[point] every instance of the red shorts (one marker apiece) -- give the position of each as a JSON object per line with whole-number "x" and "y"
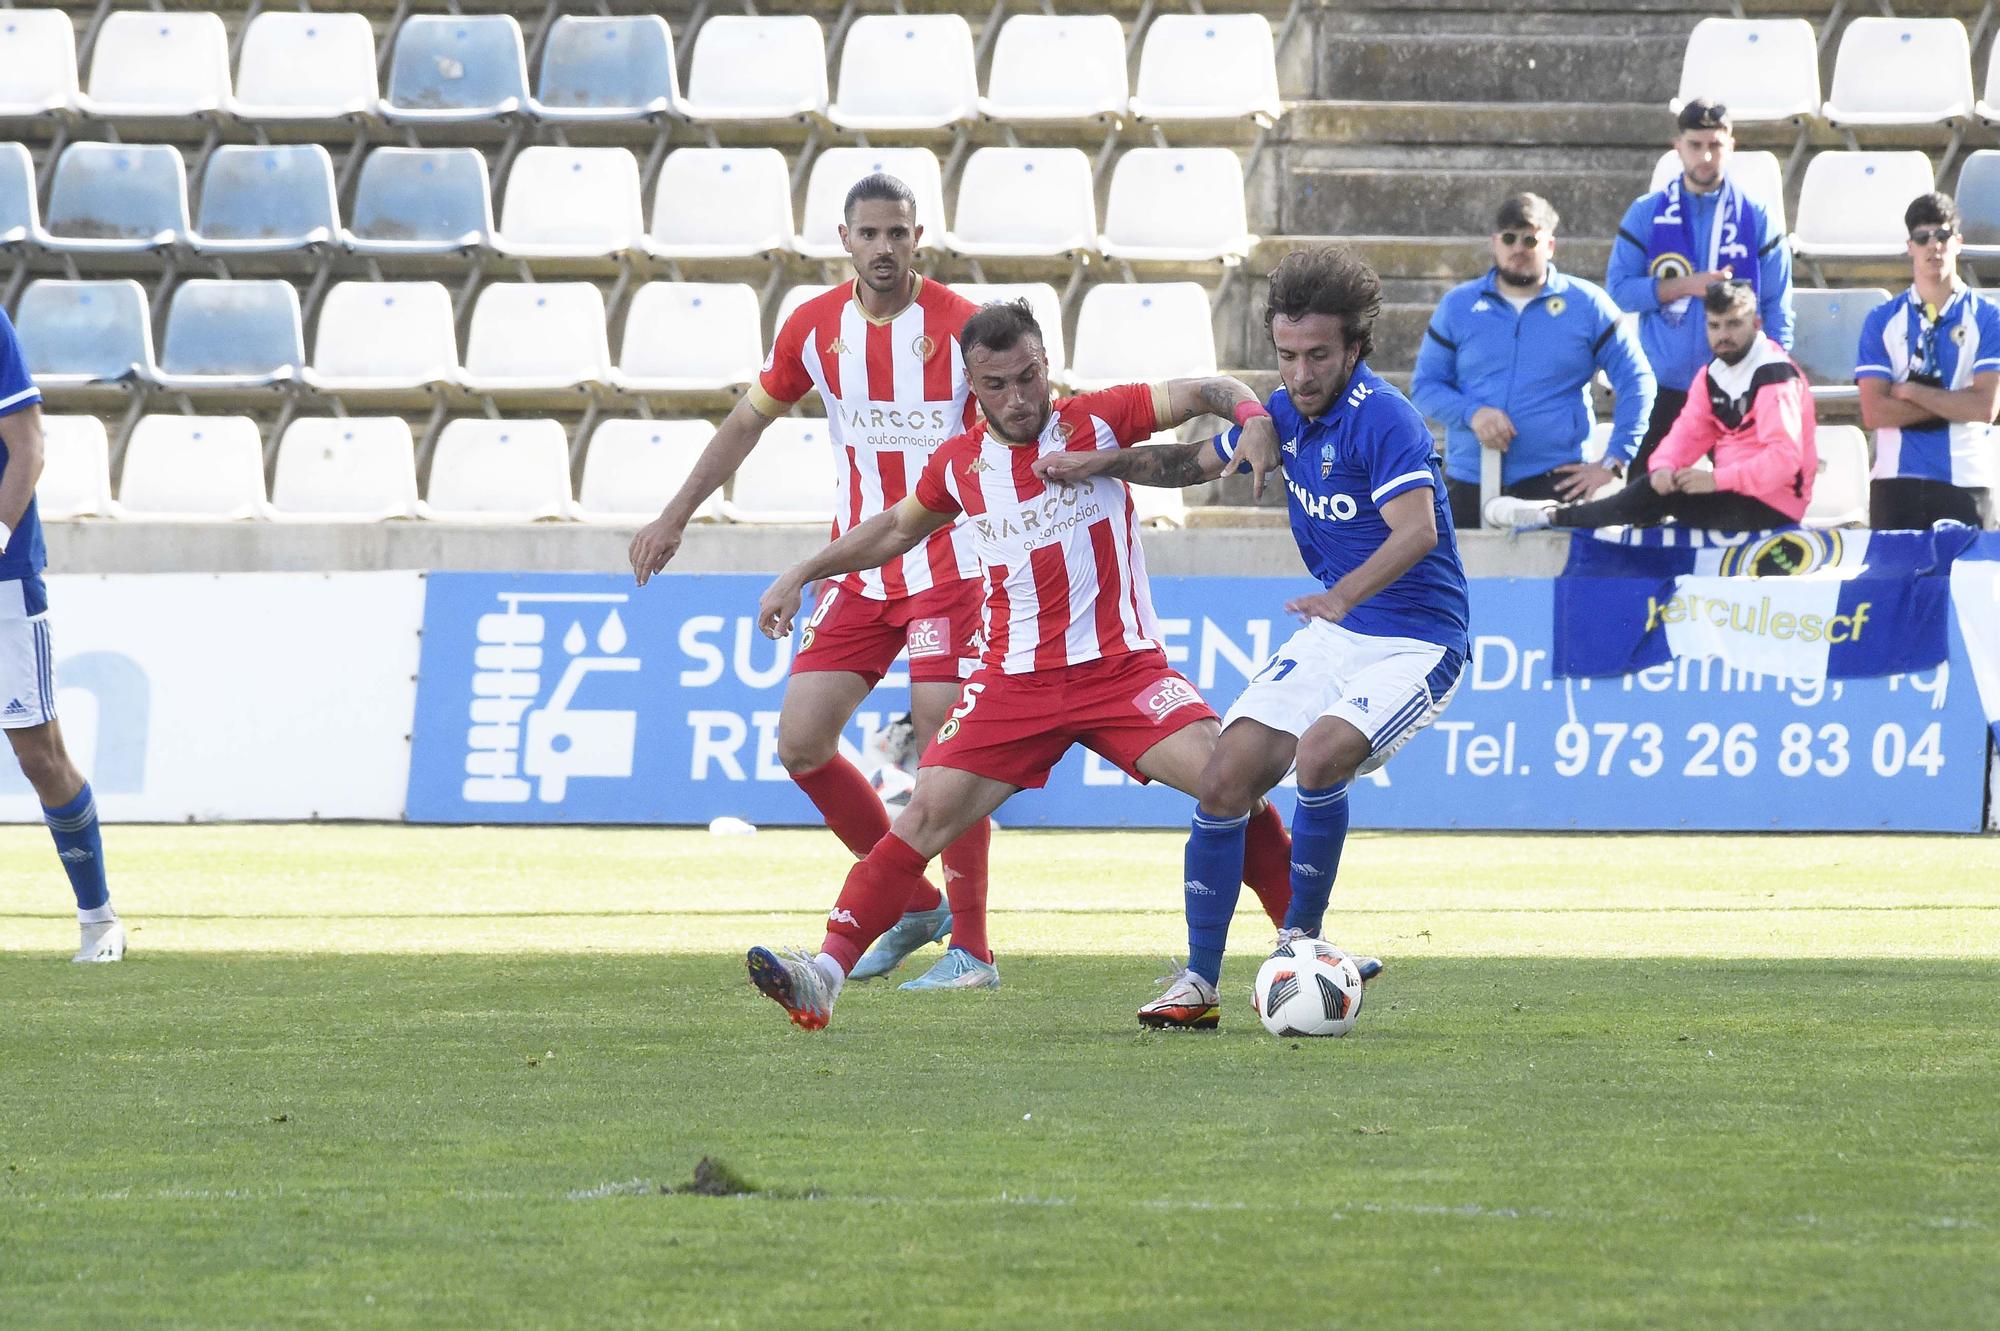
{"x": 1015, "y": 728}
{"x": 851, "y": 632}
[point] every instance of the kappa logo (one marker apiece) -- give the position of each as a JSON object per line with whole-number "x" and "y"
{"x": 929, "y": 637}
{"x": 978, "y": 465}
{"x": 1166, "y": 697}
{"x": 1481, "y": 306}
{"x": 1194, "y": 887}
{"x": 837, "y": 347}
{"x": 841, "y": 915}
{"x": 77, "y": 855}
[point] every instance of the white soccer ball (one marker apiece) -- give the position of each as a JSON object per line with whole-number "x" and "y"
{"x": 1307, "y": 988}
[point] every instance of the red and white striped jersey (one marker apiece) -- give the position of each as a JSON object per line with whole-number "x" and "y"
{"x": 894, "y": 390}
{"x": 1065, "y": 576}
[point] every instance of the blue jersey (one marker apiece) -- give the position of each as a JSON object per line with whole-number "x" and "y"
{"x": 25, "y": 554}
{"x": 1904, "y": 339}
{"x": 1340, "y": 469}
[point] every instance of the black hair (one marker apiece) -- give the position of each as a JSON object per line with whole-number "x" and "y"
{"x": 880, "y": 185}
{"x": 1331, "y": 280}
{"x": 1526, "y": 212}
{"x": 999, "y": 326}
{"x": 1933, "y": 209}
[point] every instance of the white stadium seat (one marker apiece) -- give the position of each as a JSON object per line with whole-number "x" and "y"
{"x": 76, "y": 469}
{"x": 1840, "y": 491}
{"x": 684, "y": 336}
{"x": 1826, "y": 336}
{"x": 571, "y": 203}
{"x": 384, "y": 338}
{"x": 904, "y": 72}
{"x": 1852, "y": 203}
{"x": 194, "y": 468}
{"x": 346, "y": 468}
{"x": 146, "y": 64}
{"x": 37, "y": 63}
{"x": 788, "y": 477}
{"x": 1177, "y": 204}
{"x": 634, "y": 467}
{"x": 1048, "y": 313}
{"x": 1762, "y": 69}
{"x": 834, "y": 173}
{"x": 528, "y": 336}
{"x": 306, "y": 68}
{"x": 1901, "y": 71}
{"x": 1025, "y": 202}
{"x": 721, "y": 203}
{"x": 20, "y": 206}
{"x": 499, "y": 471}
{"x": 1987, "y": 108}
{"x": 1208, "y": 67}
{"x": 1757, "y": 173}
{"x": 1142, "y": 332}
{"x": 1068, "y": 67}
{"x": 747, "y": 68}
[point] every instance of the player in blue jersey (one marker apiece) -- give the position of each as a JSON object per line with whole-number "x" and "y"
{"x": 27, "y": 664}
{"x": 1383, "y": 643}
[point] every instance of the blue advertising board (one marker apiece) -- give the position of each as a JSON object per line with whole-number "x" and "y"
{"x": 581, "y": 699}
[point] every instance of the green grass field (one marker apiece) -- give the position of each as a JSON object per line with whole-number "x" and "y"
{"x": 452, "y": 1078}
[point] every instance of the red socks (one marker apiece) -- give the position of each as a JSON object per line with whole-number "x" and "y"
{"x": 965, "y": 887}
{"x": 854, "y": 813}
{"x": 1267, "y": 862}
{"x": 873, "y": 899}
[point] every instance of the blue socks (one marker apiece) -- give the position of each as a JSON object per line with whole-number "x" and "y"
{"x": 1214, "y": 879}
{"x": 1319, "y": 830}
{"x": 74, "y": 826}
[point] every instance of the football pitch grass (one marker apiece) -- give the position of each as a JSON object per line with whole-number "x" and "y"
{"x": 362, "y": 1076}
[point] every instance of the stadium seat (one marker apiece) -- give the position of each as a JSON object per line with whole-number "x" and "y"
{"x": 682, "y": 336}
{"x": 747, "y": 68}
{"x": 1851, "y": 203}
{"x": 537, "y": 337}
{"x": 634, "y": 467}
{"x": 571, "y": 203}
{"x": 20, "y": 211}
{"x": 37, "y": 63}
{"x": 266, "y": 199}
{"x": 1048, "y": 313}
{"x": 1762, "y": 69}
{"x": 110, "y": 198}
{"x": 1840, "y": 491}
{"x": 146, "y": 64}
{"x": 457, "y": 69}
{"x": 1987, "y": 108}
{"x": 76, "y": 469}
{"x": 795, "y": 297}
{"x": 193, "y": 468}
{"x": 1177, "y": 205}
{"x": 225, "y": 335}
{"x": 77, "y": 334}
{"x": 422, "y": 201}
{"x": 1159, "y": 505}
{"x": 1758, "y": 174}
{"x": 1025, "y": 202}
{"x": 352, "y": 468}
{"x": 1208, "y": 67}
{"x": 788, "y": 477}
{"x": 1060, "y": 68}
{"x": 305, "y": 69}
{"x": 384, "y": 339}
{"x": 1977, "y": 195}
{"x": 905, "y": 72}
{"x": 1826, "y": 336}
{"x": 499, "y": 471}
{"x": 1142, "y": 332}
{"x": 721, "y": 203}
{"x": 1901, "y": 71}
{"x": 597, "y": 70}
{"x": 834, "y": 173}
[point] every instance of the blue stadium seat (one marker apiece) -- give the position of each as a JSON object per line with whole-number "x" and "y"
{"x": 20, "y": 212}
{"x": 232, "y": 335}
{"x": 607, "y": 69}
{"x": 1977, "y": 195}
{"x": 456, "y": 70}
{"x": 422, "y": 201}
{"x": 111, "y": 198}
{"x": 267, "y": 199}
{"x": 1826, "y": 336}
{"x": 83, "y": 333}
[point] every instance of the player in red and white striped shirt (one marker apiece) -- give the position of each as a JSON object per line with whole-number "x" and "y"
{"x": 882, "y": 352}
{"x": 1073, "y": 653}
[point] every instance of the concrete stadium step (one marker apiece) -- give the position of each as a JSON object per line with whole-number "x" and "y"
{"x": 1526, "y": 124}
{"x": 1500, "y": 56}
{"x": 1442, "y": 201}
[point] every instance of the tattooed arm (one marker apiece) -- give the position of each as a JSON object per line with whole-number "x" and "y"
{"x": 1176, "y": 465}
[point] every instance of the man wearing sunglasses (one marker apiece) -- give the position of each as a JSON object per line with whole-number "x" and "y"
{"x": 1507, "y": 364}
{"x": 1675, "y": 243}
{"x": 1928, "y": 370}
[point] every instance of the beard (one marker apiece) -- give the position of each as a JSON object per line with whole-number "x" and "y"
{"x": 1034, "y": 432}
{"x": 1522, "y": 279}
{"x": 1735, "y": 356}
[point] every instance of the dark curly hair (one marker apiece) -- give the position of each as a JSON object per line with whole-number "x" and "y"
{"x": 1331, "y": 280}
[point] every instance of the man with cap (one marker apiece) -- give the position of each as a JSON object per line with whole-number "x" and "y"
{"x": 1675, "y": 243}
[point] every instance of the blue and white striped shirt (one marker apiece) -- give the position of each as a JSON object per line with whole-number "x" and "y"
{"x": 1898, "y": 340}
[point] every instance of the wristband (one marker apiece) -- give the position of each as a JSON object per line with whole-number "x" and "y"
{"x": 6, "y": 535}
{"x": 1246, "y": 412}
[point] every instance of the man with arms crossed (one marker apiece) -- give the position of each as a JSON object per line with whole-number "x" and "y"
{"x": 1383, "y": 644}
{"x": 883, "y": 353}
{"x": 1073, "y": 652}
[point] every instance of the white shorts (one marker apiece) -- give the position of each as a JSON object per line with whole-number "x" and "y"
{"x": 1386, "y": 688}
{"x": 27, "y": 663}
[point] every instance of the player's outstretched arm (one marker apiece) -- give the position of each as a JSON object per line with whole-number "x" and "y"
{"x": 659, "y": 540}
{"x": 869, "y": 544}
{"x": 1231, "y": 399}
{"x": 1168, "y": 465}
{"x": 1412, "y": 534}
{"x": 21, "y": 432}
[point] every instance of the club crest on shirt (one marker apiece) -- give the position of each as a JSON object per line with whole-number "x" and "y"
{"x": 837, "y": 347}
{"x": 1557, "y": 305}
{"x": 1326, "y": 459}
{"x": 924, "y": 347}
{"x": 1958, "y": 334}
{"x": 1064, "y": 430}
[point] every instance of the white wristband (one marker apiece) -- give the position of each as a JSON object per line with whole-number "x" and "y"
{"x": 6, "y": 535}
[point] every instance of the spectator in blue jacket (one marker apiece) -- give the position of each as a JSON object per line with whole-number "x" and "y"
{"x": 1507, "y": 365}
{"x": 1675, "y": 243}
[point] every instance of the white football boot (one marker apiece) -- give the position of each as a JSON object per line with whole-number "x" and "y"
{"x": 102, "y": 941}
